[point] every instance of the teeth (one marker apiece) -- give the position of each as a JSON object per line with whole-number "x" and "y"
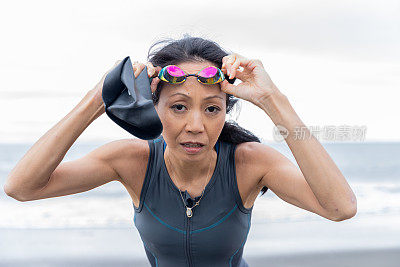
{"x": 191, "y": 145}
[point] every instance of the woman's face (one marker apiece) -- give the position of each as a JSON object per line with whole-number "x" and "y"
{"x": 191, "y": 111}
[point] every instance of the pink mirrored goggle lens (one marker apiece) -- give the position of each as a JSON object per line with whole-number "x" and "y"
{"x": 175, "y": 71}
{"x": 208, "y": 72}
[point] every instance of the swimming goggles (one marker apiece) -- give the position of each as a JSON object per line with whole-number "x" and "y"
{"x": 175, "y": 75}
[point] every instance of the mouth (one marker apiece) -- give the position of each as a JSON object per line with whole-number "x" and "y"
{"x": 190, "y": 144}
{"x": 192, "y": 148}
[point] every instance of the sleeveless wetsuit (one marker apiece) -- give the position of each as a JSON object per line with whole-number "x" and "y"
{"x": 216, "y": 233}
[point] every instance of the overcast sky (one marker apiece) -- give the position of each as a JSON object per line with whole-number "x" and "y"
{"x": 337, "y": 61}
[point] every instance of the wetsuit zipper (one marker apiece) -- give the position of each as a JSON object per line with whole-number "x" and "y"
{"x": 188, "y": 241}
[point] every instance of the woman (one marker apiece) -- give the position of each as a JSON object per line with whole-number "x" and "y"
{"x": 194, "y": 187}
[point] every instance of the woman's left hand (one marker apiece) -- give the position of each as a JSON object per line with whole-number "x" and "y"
{"x": 256, "y": 85}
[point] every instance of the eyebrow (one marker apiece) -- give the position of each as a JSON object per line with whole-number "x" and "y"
{"x": 208, "y": 97}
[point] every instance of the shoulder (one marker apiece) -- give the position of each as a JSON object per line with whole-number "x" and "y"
{"x": 131, "y": 164}
{"x": 256, "y": 158}
{"x": 128, "y": 148}
{"x": 246, "y": 152}
{"x": 250, "y": 167}
{"x": 128, "y": 156}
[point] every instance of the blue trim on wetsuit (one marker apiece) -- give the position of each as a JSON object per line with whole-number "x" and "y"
{"x": 193, "y": 231}
{"x": 215, "y": 224}
{"x": 164, "y": 223}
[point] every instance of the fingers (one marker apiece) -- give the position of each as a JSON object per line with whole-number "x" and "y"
{"x": 232, "y": 62}
{"x": 151, "y": 70}
{"x": 156, "y": 80}
{"x": 228, "y": 64}
{"x": 228, "y": 88}
{"x": 234, "y": 67}
{"x": 154, "y": 83}
{"x": 137, "y": 68}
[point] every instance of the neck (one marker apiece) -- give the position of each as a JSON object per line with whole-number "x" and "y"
{"x": 189, "y": 172}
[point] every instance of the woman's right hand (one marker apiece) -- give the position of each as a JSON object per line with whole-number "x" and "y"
{"x": 137, "y": 68}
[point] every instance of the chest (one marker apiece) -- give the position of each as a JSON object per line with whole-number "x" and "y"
{"x": 247, "y": 179}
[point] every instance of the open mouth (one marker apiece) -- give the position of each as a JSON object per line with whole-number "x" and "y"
{"x": 192, "y": 144}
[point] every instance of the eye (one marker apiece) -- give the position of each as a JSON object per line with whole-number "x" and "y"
{"x": 214, "y": 109}
{"x": 177, "y": 107}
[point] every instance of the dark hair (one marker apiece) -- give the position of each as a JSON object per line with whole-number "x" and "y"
{"x": 195, "y": 49}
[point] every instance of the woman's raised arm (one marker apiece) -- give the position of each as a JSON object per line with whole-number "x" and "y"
{"x": 34, "y": 170}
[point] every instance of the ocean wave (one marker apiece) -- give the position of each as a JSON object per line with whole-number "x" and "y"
{"x": 116, "y": 210}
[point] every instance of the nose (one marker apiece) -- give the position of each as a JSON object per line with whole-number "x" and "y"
{"x": 194, "y": 122}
